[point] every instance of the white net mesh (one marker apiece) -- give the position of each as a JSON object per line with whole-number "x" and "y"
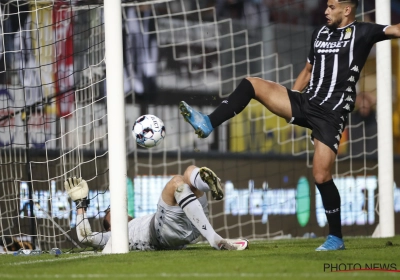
{"x": 54, "y": 118}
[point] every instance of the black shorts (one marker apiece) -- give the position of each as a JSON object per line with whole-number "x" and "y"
{"x": 327, "y": 125}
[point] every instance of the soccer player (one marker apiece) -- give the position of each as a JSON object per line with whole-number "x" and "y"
{"x": 321, "y": 98}
{"x": 181, "y": 216}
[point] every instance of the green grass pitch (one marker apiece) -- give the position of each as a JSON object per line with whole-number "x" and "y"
{"x": 279, "y": 259}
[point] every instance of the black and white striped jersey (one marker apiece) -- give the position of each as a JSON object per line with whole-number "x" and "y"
{"x": 337, "y": 56}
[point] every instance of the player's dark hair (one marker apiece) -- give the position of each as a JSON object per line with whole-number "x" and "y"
{"x": 354, "y": 2}
{"x": 106, "y": 223}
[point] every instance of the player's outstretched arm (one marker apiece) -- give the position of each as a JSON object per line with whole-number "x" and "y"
{"x": 393, "y": 31}
{"x": 85, "y": 234}
{"x": 78, "y": 191}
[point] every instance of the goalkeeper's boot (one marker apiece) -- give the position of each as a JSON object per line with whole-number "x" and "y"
{"x": 233, "y": 244}
{"x": 209, "y": 177}
{"x": 332, "y": 243}
{"x": 200, "y": 122}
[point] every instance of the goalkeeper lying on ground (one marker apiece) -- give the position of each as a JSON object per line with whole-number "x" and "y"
{"x": 182, "y": 200}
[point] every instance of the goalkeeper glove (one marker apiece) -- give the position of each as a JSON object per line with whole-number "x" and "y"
{"x": 78, "y": 191}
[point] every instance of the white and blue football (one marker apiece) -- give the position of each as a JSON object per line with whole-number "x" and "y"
{"x": 148, "y": 131}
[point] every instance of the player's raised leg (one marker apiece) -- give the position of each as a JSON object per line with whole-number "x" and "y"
{"x": 200, "y": 122}
{"x": 204, "y": 179}
{"x": 272, "y": 95}
{"x": 213, "y": 182}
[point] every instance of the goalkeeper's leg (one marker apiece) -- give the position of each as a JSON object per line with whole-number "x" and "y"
{"x": 177, "y": 192}
{"x": 205, "y": 180}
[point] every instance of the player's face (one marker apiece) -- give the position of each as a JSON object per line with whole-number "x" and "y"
{"x": 107, "y": 217}
{"x": 334, "y": 14}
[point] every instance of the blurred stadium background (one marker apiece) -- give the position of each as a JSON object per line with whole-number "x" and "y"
{"x": 53, "y": 116}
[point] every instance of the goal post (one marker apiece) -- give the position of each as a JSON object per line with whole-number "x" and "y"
{"x": 385, "y": 126}
{"x": 116, "y": 131}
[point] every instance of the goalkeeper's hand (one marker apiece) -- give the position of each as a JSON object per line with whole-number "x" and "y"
{"x": 78, "y": 191}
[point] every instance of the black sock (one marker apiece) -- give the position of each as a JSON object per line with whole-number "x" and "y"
{"x": 235, "y": 103}
{"x": 331, "y": 201}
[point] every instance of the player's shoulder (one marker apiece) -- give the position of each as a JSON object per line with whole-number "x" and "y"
{"x": 364, "y": 24}
{"x": 371, "y": 30}
{"x": 367, "y": 26}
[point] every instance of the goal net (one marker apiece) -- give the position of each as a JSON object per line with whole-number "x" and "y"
{"x": 204, "y": 52}
{"x": 53, "y": 121}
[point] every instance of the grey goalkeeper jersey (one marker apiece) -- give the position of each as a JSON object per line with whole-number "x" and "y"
{"x": 168, "y": 228}
{"x": 139, "y": 234}
{"x": 338, "y": 57}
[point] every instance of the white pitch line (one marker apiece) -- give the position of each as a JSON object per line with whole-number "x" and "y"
{"x": 52, "y": 260}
